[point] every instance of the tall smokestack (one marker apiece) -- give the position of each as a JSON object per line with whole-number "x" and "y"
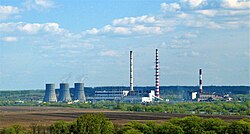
{"x": 157, "y": 75}
{"x": 131, "y": 72}
{"x": 200, "y": 82}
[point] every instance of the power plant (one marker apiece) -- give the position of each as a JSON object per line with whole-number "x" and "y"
{"x": 133, "y": 95}
{"x": 50, "y": 93}
{"x": 64, "y": 94}
{"x": 121, "y": 95}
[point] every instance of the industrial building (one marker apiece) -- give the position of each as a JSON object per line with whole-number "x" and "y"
{"x": 64, "y": 94}
{"x": 132, "y": 96}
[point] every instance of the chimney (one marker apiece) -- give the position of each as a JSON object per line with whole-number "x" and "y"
{"x": 157, "y": 75}
{"x": 131, "y": 72}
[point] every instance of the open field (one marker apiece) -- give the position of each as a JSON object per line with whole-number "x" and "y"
{"x": 26, "y": 116}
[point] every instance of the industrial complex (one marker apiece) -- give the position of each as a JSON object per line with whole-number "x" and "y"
{"x": 77, "y": 94}
{"x": 115, "y": 95}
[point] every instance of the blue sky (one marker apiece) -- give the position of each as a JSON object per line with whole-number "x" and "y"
{"x": 46, "y": 41}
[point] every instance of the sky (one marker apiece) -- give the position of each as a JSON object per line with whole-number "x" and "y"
{"x": 53, "y": 41}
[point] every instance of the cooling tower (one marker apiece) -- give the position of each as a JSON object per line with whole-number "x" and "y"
{"x": 64, "y": 94}
{"x": 50, "y": 93}
{"x": 79, "y": 92}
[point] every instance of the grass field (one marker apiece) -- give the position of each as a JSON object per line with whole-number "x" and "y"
{"x": 26, "y": 116}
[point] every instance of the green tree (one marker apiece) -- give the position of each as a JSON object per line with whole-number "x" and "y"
{"x": 214, "y": 125}
{"x": 132, "y": 131}
{"x": 169, "y": 128}
{"x": 190, "y": 124}
{"x": 93, "y": 124}
{"x": 239, "y": 127}
{"x": 60, "y": 127}
{"x": 15, "y": 129}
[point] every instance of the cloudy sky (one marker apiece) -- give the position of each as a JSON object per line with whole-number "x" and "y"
{"x": 45, "y": 41}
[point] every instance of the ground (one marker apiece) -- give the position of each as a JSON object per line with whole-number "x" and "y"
{"x": 26, "y": 116}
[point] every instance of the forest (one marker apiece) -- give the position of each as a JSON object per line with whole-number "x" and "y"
{"x": 96, "y": 123}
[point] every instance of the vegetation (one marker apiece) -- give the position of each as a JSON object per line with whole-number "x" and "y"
{"x": 216, "y": 107}
{"x": 98, "y": 124}
{"x": 240, "y": 105}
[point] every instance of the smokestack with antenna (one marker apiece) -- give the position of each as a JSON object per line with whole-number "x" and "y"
{"x": 200, "y": 82}
{"x": 131, "y": 72}
{"x": 157, "y": 75}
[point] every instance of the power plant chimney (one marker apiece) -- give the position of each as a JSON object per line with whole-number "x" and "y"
{"x": 64, "y": 94}
{"x": 200, "y": 82}
{"x": 131, "y": 72}
{"x": 157, "y": 75}
{"x": 50, "y": 93}
{"x": 79, "y": 92}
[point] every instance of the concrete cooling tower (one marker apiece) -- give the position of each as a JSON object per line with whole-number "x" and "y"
{"x": 79, "y": 92}
{"x": 64, "y": 94}
{"x": 50, "y": 93}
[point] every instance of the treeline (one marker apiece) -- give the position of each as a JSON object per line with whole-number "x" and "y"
{"x": 98, "y": 124}
{"x": 216, "y": 107}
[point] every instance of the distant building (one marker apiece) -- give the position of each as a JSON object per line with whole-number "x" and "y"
{"x": 123, "y": 96}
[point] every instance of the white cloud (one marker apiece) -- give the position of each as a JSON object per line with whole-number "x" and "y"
{"x": 210, "y": 13}
{"x": 172, "y": 7}
{"x": 44, "y": 3}
{"x": 109, "y": 53}
{"x": 195, "y": 3}
{"x": 238, "y": 4}
{"x": 146, "y": 30}
{"x": 183, "y": 15}
{"x": 38, "y": 4}
{"x": 135, "y": 20}
{"x": 6, "y": 11}
{"x": 127, "y": 30}
{"x": 93, "y": 31}
{"x": 121, "y": 30}
{"x": 31, "y": 28}
{"x": 174, "y": 46}
{"x": 9, "y": 39}
{"x": 189, "y": 54}
{"x": 213, "y": 13}
{"x": 189, "y": 35}
{"x": 204, "y": 24}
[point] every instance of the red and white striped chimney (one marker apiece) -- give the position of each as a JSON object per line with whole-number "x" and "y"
{"x": 200, "y": 82}
{"x": 157, "y": 75}
{"x": 131, "y": 72}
